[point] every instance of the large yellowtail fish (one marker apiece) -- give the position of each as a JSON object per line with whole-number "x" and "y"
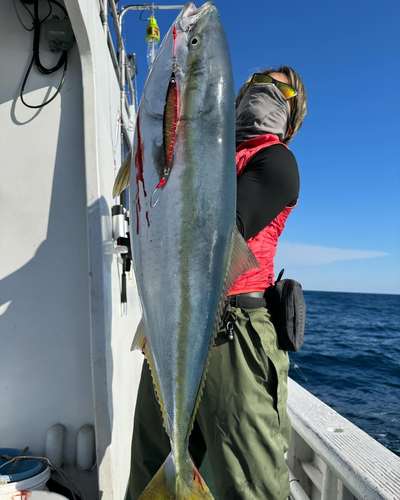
{"x": 187, "y": 251}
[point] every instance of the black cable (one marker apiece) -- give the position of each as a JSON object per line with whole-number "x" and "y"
{"x": 26, "y": 8}
{"x": 63, "y": 60}
{"x": 48, "y": 15}
{"x": 148, "y": 7}
{"x": 36, "y": 42}
{"x": 19, "y": 17}
{"x": 54, "y": 96}
{"x": 59, "y": 5}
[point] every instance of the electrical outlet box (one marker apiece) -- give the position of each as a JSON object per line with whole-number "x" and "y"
{"x": 58, "y": 32}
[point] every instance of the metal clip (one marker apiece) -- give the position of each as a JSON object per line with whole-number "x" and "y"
{"x": 229, "y": 322}
{"x": 229, "y": 330}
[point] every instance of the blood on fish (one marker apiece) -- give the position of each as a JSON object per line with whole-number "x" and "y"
{"x": 139, "y": 157}
{"x": 139, "y": 171}
{"x": 148, "y": 220}
{"x": 197, "y": 476}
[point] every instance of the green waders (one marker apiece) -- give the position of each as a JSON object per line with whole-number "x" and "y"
{"x": 241, "y": 422}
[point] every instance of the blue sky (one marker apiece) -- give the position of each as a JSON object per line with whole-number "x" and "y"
{"x": 344, "y": 235}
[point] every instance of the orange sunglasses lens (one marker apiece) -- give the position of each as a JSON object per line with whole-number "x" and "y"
{"x": 287, "y": 91}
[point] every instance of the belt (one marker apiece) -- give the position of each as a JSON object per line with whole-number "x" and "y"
{"x": 249, "y": 300}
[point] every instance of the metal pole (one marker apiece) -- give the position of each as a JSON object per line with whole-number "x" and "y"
{"x": 115, "y": 17}
{"x": 113, "y": 55}
{"x": 104, "y": 15}
{"x": 149, "y": 7}
{"x": 122, "y": 65}
{"x": 131, "y": 90}
{"x": 168, "y": 7}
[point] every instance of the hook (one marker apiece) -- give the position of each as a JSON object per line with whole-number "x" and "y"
{"x": 159, "y": 186}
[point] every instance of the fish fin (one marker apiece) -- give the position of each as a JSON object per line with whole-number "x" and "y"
{"x": 123, "y": 177}
{"x": 241, "y": 260}
{"x": 139, "y": 340}
{"x": 167, "y": 484}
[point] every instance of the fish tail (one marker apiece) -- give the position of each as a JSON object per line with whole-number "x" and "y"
{"x": 170, "y": 484}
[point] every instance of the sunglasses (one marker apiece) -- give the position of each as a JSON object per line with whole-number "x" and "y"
{"x": 287, "y": 91}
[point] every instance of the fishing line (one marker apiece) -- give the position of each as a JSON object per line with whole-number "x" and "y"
{"x": 115, "y": 145}
{"x": 44, "y": 460}
{"x": 304, "y": 377}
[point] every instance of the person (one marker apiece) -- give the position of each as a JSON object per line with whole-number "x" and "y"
{"x": 242, "y": 421}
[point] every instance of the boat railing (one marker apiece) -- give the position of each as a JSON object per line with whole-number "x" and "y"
{"x": 332, "y": 459}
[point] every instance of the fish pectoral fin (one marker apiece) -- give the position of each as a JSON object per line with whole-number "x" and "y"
{"x": 139, "y": 340}
{"x": 242, "y": 259}
{"x": 170, "y": 484}
{"x": 123, "y": 176}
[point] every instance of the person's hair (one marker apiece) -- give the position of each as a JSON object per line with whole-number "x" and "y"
{"x": 299, "y": 110}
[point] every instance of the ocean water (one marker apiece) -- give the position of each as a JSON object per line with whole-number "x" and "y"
{"x": 351, "y": 359}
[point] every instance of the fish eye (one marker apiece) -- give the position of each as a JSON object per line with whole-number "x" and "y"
{"x": 195, "y": 41}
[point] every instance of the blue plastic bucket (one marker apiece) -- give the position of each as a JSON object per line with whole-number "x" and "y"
{"x": 25, "y": 468}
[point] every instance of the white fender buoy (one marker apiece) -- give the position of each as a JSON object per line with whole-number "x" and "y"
{"x": 55, "y": 444}
{"x": 85, "y": 448}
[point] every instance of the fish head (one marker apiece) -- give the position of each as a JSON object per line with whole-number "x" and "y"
{"x": 196, "y": 51}
{"x": 187, "y": 106}
{"x": 203, "y": 65}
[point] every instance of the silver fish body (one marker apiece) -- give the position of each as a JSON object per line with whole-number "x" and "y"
{"x": 186, "y": 249}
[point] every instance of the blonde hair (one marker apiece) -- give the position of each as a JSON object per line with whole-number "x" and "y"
{"x": 299, "y": 102}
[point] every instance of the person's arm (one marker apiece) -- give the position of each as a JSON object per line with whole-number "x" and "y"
{"x": 269, "y": 183}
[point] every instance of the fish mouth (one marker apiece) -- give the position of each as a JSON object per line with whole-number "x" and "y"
{"x": 190, "y": 15}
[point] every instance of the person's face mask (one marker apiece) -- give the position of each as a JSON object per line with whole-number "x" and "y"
{"x": 262, "y": 110}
